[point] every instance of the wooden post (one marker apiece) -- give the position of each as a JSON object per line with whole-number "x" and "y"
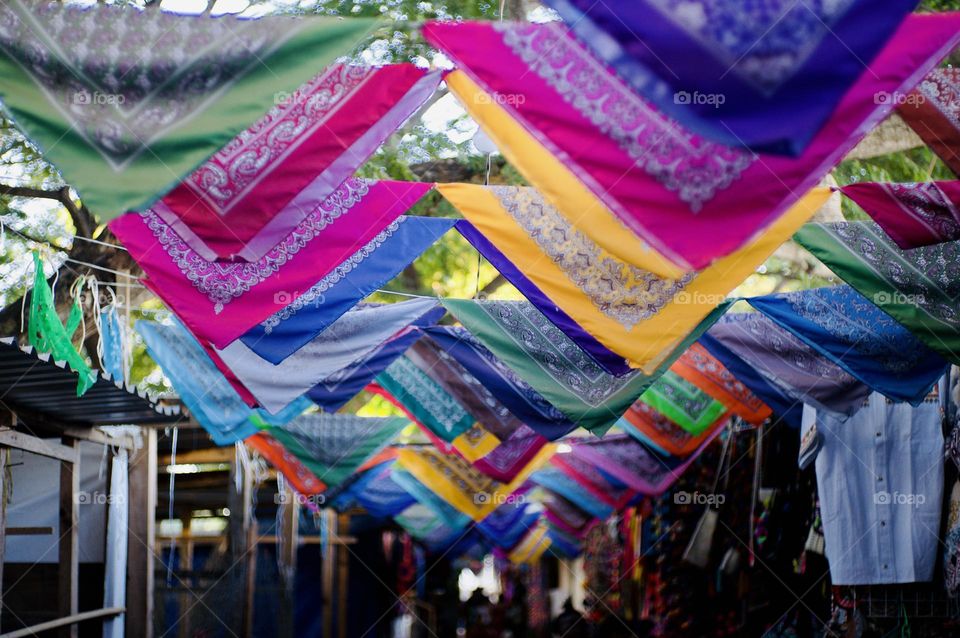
{"x": 69, "y": 543}
{"x": 288, "y": 537}
{"x": 141, "y": 538}
{"x": 327, "y": 570}
{"x": 343, "y": 527}
{"x": 4, "y": 461}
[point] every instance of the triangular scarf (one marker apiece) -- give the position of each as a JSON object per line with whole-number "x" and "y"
{"x": 703, "y": 370}
{"x": 913, "y": 214}
{"x": 599, "y": 484}
{"x": 254, "y": 191}
{"x": 540, "y": 353}
{"x": 844, "y": 326}
{"x": 512, "y": 455}
{"x": 312, "y": 311}
{"x": 294, "y": 471}
{"x": 532, "y": 547}
{"x": 738, "y": 73}
{"x": 379, "y": 494}
{"x": 353, "y": 336}
{"x": 919, "y": 288}
{"x": 556, "y": 480}
{"x": 334, "y": 446}
{"x": 517, "y": 395}
{"x": 933, "y": 111}
{"x": 205, "y": 392}
{"x": 684, "y": 403}
{"x": 595, "y": 149}
{"x": 789, "y": 363}
{"x": 631, "y": 311}
{"x": 125, "y": 120}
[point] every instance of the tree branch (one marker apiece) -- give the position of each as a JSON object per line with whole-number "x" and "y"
{"x": 81, "y": 217}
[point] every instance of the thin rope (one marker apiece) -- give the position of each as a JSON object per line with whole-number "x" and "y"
{"x": 100, "y": 243}
{"x": 95, "y": 266}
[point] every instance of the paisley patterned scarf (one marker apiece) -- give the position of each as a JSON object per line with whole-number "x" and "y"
{"x": 560, "y": 482}
{"x": 220, "y": 301}
{"x": 334, "y": 446}
{"x": 138, "y": 99}
{"x": 912, "y": 214}
{"x": 257, "y": 189}
{"x": 379, "y": 494}
{"x": 684, "y": 403}
{"x": 633, "y": 313}
{"x": 541, "y": 354}
{"x": 302, "y": 479}
{"x": 353, "y": 336}
{"x": 512, "y": 455}
{"x": 919, "y": 288}
{"x": 656, "y": 431}
{"x": 538, "y": 92}
{"x": 738, "y": 73}
{"x": 313, "y": 311}
{"x": 528, "y": 405}
{"x": 702, "y": 369}
{"x": 842, "y": 325}
{"x": 207, "y": 394}
{"x": 933, "y": 111}
{"x": 788, "y": 363}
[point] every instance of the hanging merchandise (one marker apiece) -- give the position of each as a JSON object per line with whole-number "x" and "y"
{"x": 684, "y": 403}
{"x": 112, "y": 343}
{"x": 528, "y": 405}
{"x": 292, "y": 468}
{"x": 461, "y": 485}
{"x": 47, "y": 334}
{"x": 426, "y": 401}
{"x": 379, "y": 494}
{"x": 789, "y": 363}
{"x": 334, "y": 391}
{"x": 783, "y": 406}
{"x": 524, "y": 339}
{"x": 738, "y": 73}
{"x": 559, "y": 481}
{"x": 256, "y": 190}
{"x": 220, "y": 301}
{"x": 125, "y": 123}
{"x": 636, "y": 466}
{"x": 659, "y": 433}
{"x": 309, "y": 313}
{"x": 447, "y": 513}
{"x": 842, "y": 325}
{"x": 931, "y": 110}
{"x": 532, "y": 547}
{"x": 913, "y": 214}
{"x": 539, "y": 93}
{"x": 421, "y": 523}
{"x": 506, "y": 525}
{"x": 595, "y": 295}
{"x": 334, "y": 446}
{"x": 512, "y": 455}
{"x": 563, "y": 514}
{"x": 703, "y": 370}
{"x": 916, "y": 287}
{"x": 457, "y": 381}
{"x": 205, "y": 392}
{"x": 595, "y": 480}
{"x": 880, "y": 481}
{"x": 351, "y": 337}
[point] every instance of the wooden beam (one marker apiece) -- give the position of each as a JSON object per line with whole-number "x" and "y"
{"x": 57, "y": 623}
{"x": 197, "y": 457}
{"x": 141, "y": 542}
{"x": 25, "y": 531}
{"x": 98, "y": 436}
{"x": 28, "y": 443}
{"x": 69, "y": 543}
{"x": 327, "y": 571}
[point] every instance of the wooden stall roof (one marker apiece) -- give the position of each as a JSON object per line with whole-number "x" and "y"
{"x": 34, "y": 383}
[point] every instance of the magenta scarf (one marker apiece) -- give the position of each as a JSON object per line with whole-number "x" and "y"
{"x": 692, "y": 200}
{"x": 219, "y": 301}
{"x": 912, "y": 214}
{"x": 249, "y": 196}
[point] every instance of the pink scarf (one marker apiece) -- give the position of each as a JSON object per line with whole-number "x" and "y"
{"x": 220, "y": 301}
{"x": 692, "y": 200}
{"x": 251, "y": 194}
{"x": 913, "y": 215}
